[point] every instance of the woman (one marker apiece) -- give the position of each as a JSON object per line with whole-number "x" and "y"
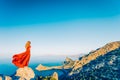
{"x": 21, "y": 60}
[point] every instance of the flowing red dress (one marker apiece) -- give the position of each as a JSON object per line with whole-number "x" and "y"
{"x": 21, "y": 60}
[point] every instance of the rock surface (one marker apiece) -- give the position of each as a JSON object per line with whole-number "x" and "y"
{"x": 68, "y": 63}
{"x": 54, "y": 76}
{"x": 94, "y": 54}
{"x": 26, "y": 73}
{"x": 0, "y": 78}
{"x": 106, "y": 66}
{"x": 40, "y": 67}
{"x": 101, "y": 69}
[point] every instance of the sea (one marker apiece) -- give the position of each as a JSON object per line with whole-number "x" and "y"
{"x": 7, "y": 68}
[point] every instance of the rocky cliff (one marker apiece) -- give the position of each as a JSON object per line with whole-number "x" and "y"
{"x": 95, "y": 54}
{"x": 68, "y": 63}
{"x": 101, "y": 64}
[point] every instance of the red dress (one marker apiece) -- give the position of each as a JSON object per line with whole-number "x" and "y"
{"x": 21, "y": 60}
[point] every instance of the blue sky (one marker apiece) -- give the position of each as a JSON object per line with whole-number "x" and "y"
{"x": 57, "y": 27}
{"x": 27, "y": 12}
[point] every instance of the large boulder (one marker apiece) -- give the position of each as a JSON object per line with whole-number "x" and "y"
{"x": 25, "y": 73}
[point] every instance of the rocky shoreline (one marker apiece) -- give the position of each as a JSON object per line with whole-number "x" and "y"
{"x": 41, "y": 72}
{"x": 100, "y": 64}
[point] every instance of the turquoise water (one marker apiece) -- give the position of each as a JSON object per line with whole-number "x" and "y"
{"x": 9, "y": 69}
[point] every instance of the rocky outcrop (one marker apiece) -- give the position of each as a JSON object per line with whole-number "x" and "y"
{"x": 68, "y": 60}
{"x": 68, "y": 63}
{"x": 0, "y": 78}
{"x": 54, "y": 76}
{"x": 94, "y": 54}
{"x": 8, "y": 78}
{"x": 40, "y": 67}
{"x": 4, "y": 77}
{"x": 25, "y": 73}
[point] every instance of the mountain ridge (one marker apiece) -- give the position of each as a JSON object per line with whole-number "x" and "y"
{"x": 94, "y": 54}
